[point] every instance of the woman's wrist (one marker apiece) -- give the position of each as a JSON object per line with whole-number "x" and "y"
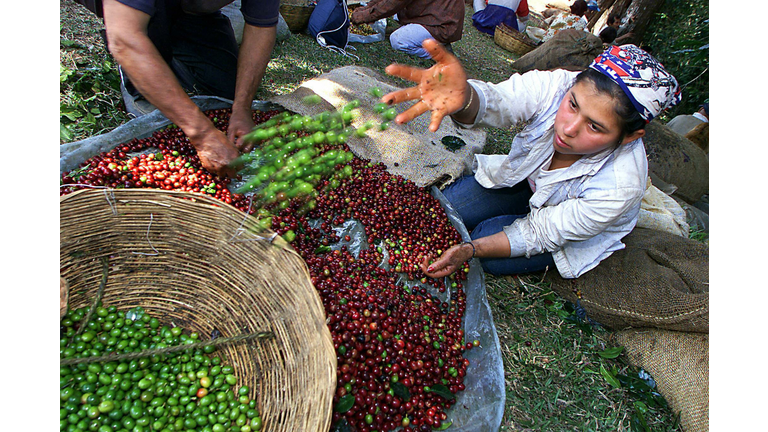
{"x": 469, "y": 100}
{"x": 468, "y": 112}
{"x": 472, "y": 246}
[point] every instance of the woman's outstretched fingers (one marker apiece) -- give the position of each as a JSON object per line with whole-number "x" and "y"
{"x": 437, "y": 118}
{"x": 436, "y": 50}
{"x": 404, "y": 95}
{"x": 411, "y": 113}
{"x": 399, "y": 96}
{"x": 406, "y": 72}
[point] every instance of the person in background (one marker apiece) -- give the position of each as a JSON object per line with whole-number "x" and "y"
{"x": 442, "y": 20}
{"x": 513, "y": 13}
{"x": 684, "y": 123}
{"x": 169, "y": 48}
{"x": 608, "y": 35}
{"x": 561, "y": 20}
{"x": 571, "y": 186}
{"x": 610, "y": 31}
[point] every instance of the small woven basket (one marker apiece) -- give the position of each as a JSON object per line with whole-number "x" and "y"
{"x": 197, "y": 263}
{"x": 512, "y": 40}
{"x": 296, "y": 14}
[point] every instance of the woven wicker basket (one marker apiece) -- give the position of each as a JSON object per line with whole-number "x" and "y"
{"x": 296, "y": 14}
{"x": 512, "y": 40}
{"x": 197, "y": 263}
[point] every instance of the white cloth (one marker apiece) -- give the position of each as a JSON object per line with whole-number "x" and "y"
{"x": 684, "y": 123}
{"x": 579, "y": 213}
{"x": 562, "y": 21}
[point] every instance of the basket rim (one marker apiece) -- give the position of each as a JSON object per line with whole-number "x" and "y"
{"x": 505, "y": 30}
{"x": 511, "y": 40}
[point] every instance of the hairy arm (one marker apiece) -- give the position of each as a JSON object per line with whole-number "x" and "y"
{"x": 255, "y": 52}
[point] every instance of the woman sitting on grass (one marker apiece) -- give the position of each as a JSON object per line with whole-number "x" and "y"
{"x": 570, "y": 188}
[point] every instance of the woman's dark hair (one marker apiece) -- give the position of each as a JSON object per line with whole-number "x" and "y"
{"x": 629, "y": 118}
{"x": 608, "y": 35}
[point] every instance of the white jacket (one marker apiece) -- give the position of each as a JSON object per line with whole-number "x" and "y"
{"x": 579, "y": 213}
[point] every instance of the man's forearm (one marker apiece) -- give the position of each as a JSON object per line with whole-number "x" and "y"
{"x": 255, "y": 52}
{"x": 135, "y": 52}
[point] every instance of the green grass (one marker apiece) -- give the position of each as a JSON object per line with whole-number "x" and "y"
{"x": 556, "y": 377}
{"x": 559, "y": 369}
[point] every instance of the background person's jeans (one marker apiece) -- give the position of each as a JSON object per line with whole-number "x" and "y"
{"x": 408, "y": 39}
{"x": 487, "y": 211}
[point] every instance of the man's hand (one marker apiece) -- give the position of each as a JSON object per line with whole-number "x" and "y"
{"x": 240, "y": 124}
{"x": 216, "y": 152}
{"x": 357, "y": 16}
{"x": 442, "y": 89}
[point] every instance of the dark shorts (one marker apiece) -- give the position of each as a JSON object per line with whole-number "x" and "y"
{"x": 201, "y": 50}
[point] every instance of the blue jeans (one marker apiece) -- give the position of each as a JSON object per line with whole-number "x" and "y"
{"x": 408, "y": 39}
{"x": 487, "y": 211}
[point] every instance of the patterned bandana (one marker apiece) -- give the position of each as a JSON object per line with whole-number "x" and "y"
{"x": 649, "y": 86}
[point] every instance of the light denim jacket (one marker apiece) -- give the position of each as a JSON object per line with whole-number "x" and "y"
{"x": 581, "y": 213}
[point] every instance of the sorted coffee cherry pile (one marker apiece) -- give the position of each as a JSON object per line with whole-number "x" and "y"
{"x": 189, "y": 390}
{"x": 399, "y": 347}
{"x": 165, "y": 160}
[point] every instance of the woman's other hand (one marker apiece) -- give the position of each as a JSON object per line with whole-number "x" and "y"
{"x": 442, "y": 89}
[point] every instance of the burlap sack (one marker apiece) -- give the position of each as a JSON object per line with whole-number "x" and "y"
{"x": 659, "y": 280}
{"x": 677, "y": 161}
{"x": 569, "y": 49}
{"x": 699, "y": 135}
{"x": 679, "y": 363}
{"x": 408, "y": 150}
{"x": 658, "y": 284}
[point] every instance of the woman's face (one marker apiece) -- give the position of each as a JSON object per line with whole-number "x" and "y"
{"x": 587, "y": 123}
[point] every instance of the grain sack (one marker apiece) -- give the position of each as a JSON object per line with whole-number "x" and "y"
{"x": 659, "y": 280}
{"x": 569, "y": 49}
{"x": 679, "y": 363}
{"x": 699, "y": 135}
{"x": 659, "y": 211}
{"x": 410, "y": 150}
{"x": 677, "y": 161}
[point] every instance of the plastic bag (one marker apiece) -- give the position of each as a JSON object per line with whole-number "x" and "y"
{"x": 380, "y": 27}
{"x": 535, "y": 33}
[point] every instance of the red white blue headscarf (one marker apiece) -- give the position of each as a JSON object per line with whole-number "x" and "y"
{"x": 649, "y": 86}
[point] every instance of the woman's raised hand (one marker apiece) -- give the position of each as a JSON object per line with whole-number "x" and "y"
{"x": 442, "y": 89}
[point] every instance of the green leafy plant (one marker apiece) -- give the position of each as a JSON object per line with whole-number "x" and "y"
{"x": 90, "y": 96}
{"x": 679, "y": 38}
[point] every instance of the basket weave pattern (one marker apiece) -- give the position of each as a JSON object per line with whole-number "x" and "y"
{"x": 296, "y": 14}
{"x": 512, "y": 40}
{"x": 194, "y": 262}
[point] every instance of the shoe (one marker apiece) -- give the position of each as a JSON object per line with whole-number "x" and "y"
{"x": 136, "y": 106}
